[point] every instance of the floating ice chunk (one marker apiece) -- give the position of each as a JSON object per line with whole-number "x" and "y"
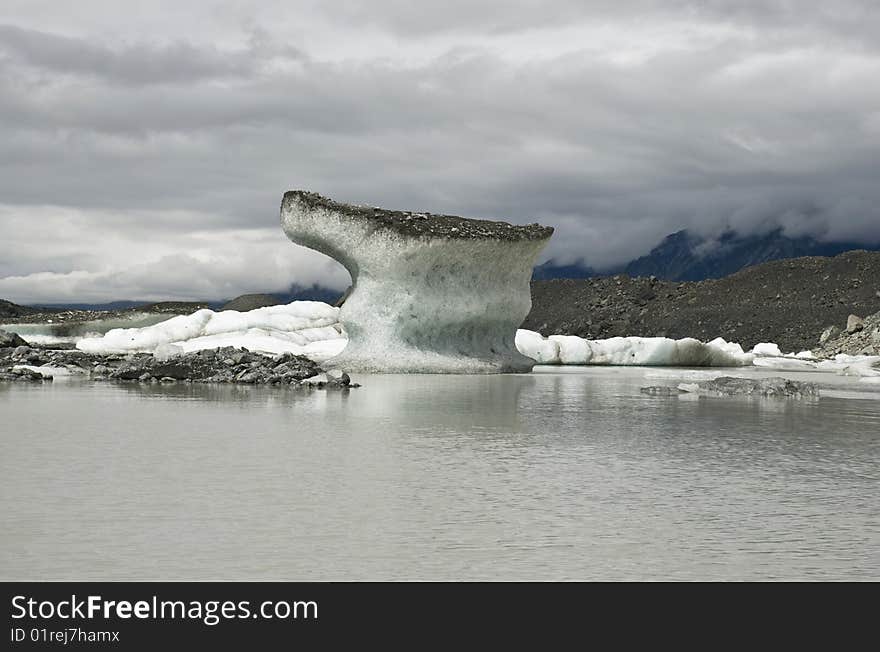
{"x": 767, "y": 348}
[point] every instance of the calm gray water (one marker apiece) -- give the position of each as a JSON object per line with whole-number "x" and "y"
{"x": 543, "y": 476}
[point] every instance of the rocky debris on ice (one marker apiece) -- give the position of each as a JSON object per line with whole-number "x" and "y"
{"x": 222, "y": 365}
{"x": 45, "y": 363}
{"x": 8, "y": 340}
{"x": 225, "y": 365}
{"x": 409, "y": 223}
{"x": 775, "y": 387}
{"x": 430, "y": 293}
{"x": 860, "y": 337}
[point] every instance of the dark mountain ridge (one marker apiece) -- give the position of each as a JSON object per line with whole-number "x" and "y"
{"x": 684, "y": 256}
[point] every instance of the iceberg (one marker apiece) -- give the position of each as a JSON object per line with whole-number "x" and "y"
{"x": 430, "y": 293}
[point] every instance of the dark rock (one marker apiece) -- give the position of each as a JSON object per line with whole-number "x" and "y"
{"x": 10, "y": 340}
{"x": 854, "y": 324}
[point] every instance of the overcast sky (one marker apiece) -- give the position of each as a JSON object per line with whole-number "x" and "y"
{"x": 145, "y": 147}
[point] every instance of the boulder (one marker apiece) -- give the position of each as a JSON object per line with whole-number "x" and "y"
{"x": 10, "y": 340}
{"x": 854, "y": 324}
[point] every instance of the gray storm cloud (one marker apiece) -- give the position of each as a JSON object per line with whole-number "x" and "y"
{"x": 146, "y": 157}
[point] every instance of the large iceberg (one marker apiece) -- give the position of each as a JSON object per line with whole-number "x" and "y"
{"x": 430, "y": 293}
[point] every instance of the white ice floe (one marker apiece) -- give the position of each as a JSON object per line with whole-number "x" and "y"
{"x": 641, "y": 351}
{"x": 768, "y": 349}
{"x": 302, "y": 327}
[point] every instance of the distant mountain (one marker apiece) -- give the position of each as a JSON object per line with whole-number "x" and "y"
{"x": 683, "y": 256}
{"x": 9, "y": 309}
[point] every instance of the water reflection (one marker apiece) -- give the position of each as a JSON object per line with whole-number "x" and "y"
{"x": 542, "y": 476}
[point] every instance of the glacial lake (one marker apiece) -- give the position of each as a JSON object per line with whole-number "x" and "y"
{"x": 562, "y": 474}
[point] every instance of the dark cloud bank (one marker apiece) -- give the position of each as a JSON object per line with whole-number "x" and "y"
{"x": 152, "y": 166}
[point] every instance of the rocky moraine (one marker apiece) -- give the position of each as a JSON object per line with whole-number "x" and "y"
{"x": 24, "y": 363}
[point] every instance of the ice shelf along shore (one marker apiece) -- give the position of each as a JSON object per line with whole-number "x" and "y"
{"x": 308, "y": 328}
{"x": 430, "y": 293}
{"x": 313, "y": 329}
{"x": 686, "y": 352}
